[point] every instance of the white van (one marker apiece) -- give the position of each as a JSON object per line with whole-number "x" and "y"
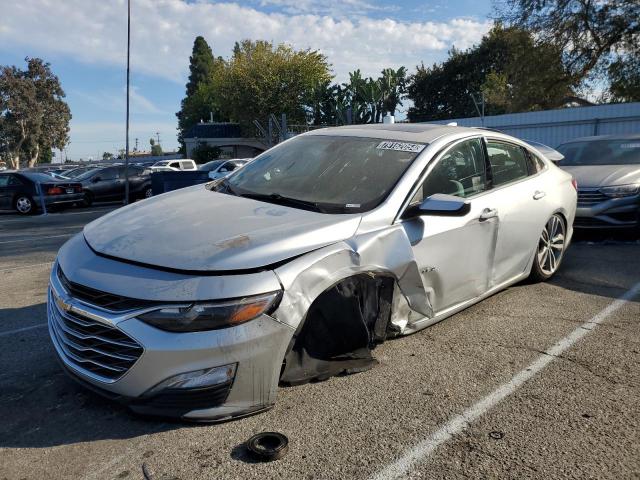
{"x": 174, "y": 165}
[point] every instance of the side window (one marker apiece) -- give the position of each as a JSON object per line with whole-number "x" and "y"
{"x": 175, "y": 165}
{"x": 461, "y": 171}
{"x": 4, "y": 180}
{"x": 14, "y": 181}
{"x": 536, "y": 163}
{"x": 187, "y": 166}
{"x": 108, "y": 174}
{"x": 508, "y": 162}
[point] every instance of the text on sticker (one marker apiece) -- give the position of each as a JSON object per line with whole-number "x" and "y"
{"x": 401, "y": 146}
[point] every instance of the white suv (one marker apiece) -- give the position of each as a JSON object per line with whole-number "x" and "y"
{"x": 173, "y": 165}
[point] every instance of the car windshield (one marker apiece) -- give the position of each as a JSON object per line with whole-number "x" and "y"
{"x": 163, "y": 163}
{"x": 332, "y": 173}
{"x": 209, "y": 166}
{"x": 601, "y": 152}
{"x": 88, "y": 174}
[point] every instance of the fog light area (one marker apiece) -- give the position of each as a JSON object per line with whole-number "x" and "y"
{"x": 207, "y": 377}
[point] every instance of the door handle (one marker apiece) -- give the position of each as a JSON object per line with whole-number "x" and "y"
{"x": 538, "y": 194}
{"x": 488, "y": 213}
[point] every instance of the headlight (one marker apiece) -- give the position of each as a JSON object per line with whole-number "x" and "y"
{"x": 198, "y": 317}
{"x": 621, "y": 190}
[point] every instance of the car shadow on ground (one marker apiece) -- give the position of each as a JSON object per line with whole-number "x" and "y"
{"x": 594, "y": 252}
{"x": 42, "y": 407}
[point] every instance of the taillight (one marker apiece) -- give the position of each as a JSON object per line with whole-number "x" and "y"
{"x": 79, "y": 188}
{"x": 574, "y": 182}
{"x": 54, "y": 191}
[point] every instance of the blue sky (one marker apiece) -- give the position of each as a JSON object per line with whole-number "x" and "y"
{"x": 85, "y": 42}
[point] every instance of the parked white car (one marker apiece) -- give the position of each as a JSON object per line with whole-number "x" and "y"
{"x": 174, "y": 165}
{"x": 223, "y": 168}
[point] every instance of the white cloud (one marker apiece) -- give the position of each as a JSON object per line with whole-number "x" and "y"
{"x": 94, "y": 32}
{"x": 114, "y": 101}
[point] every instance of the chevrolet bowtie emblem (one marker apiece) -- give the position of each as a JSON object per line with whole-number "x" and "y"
{"x": 62, "y": 304}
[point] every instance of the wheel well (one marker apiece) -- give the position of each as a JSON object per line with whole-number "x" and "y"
{"x": 341, "y": 327}
{"x": 20, "y": 194}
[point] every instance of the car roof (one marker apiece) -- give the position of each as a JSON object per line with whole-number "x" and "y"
{"x": 410, "y": 132}
{"x": 595, "y": 138}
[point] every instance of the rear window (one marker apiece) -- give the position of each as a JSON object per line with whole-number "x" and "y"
{"x": 601, "y": 152}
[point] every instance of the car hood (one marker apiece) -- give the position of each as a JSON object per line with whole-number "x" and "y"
{"x": 195, "y": 229}
{"x": 603, "y": 175}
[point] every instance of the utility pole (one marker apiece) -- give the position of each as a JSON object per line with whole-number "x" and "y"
{"x": 158, "y": 137}
{"x": 126, "y": 158}
{"x": 479, "y": 109}
{"x": 135, "y": 149}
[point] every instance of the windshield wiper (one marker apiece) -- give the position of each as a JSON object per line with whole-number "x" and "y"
{"x": 280, "y": 200}
{"x": 224, "y": 184}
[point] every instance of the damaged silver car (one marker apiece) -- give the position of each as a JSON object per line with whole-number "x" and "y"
{"x": 198, "y": 303}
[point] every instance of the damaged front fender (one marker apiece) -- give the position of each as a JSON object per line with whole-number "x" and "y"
{"x": 339, "y": 299}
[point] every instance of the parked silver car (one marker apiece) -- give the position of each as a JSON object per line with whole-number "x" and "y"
{"x": 607, "y": 169}
{"x": 223, "y": 168}
{"x": 295, "y": 267}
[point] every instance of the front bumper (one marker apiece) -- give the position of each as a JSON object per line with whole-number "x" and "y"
{"x": 623, "y": 212}
{"x": 257, "y": 347}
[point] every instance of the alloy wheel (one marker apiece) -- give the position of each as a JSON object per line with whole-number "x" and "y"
{"x": 551, "y": 245}
{"x": 148, "y": 193}
{"x": 24, "y": 205}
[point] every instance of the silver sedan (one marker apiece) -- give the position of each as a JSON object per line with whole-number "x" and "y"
{"x": 200, "y": 302}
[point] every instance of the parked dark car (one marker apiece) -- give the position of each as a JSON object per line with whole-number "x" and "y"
{"x": 108, "y": 183}
{"x": 19, "y": 191}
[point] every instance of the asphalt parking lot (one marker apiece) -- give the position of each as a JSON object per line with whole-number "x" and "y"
{"x": 538, "y": 381}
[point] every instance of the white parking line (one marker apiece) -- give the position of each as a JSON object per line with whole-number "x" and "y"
{"x": 38, "y": 238}
{"x": 23, "y": 329}
{"x": 21, "y": 267}
{"x": 457, "y": 424}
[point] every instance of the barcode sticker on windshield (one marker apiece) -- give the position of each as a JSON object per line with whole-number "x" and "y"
{"x": 401, "y": 146}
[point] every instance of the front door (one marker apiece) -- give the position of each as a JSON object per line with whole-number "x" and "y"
{"x": 455, "y": 254}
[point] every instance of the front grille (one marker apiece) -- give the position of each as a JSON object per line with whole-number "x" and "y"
{"x": 591, "y": 222}
{"x": 90, "y": 346}
{"x": 109, "y": 301}
{"x": 590, "y": 196}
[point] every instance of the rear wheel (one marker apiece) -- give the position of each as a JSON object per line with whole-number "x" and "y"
{"x": 550, "y": 250}
{"x": 88, "y": 199}
{"x": 147, "y": 192}
{"x": 24, "y": 204}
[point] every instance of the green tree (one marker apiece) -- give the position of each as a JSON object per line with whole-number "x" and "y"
{"x": 598, "y": 38}
{"x": 204, "y": 153}
{"x": 201, "y": 100}
{"x": 262, "y": 79}
{"x": 33, "y": 115}
{"x": 107, "y": 156}
{"x": 515, "y": 73}
{"x": 156, "y": 149}
{"x": 201, "y": 64}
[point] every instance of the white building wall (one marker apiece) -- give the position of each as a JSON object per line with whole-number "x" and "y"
{"x": 553, "y": 127}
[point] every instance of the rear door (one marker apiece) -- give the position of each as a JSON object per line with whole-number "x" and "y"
{"x": 455, "y": 254}
{"x": 519, "y": 189}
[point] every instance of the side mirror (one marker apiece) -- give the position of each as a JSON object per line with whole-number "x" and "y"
{"x": 440, "y": 204}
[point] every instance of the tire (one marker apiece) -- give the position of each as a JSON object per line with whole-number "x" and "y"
{"x": 88, "y": 199}
{"x": 24, "y": 204}
{"x": 147, "y": 192}
{"x": 550, "y": 249}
